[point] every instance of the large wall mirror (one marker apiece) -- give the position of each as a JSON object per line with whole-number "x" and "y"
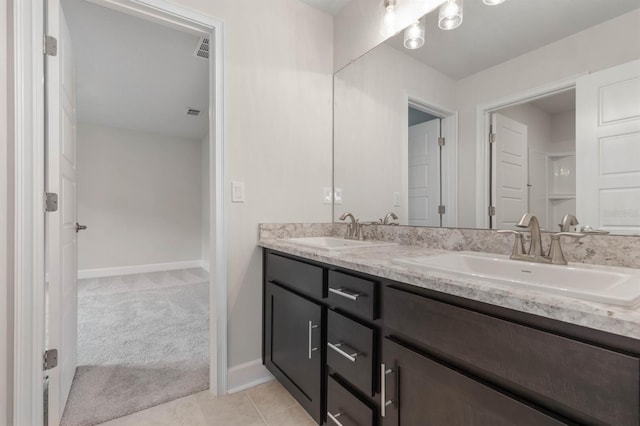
{"x": 527, "y": 106}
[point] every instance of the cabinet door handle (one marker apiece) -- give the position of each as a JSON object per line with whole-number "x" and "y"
{"x": 345, "y": 293}
{"x": 383, "y": 390}
{"x": 311, "y": 348}
{"x": 338, "y": 348}
{"x": 334, "y": 418}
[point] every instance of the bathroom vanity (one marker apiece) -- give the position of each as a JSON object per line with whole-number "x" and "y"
{"x": 360, "y": 341}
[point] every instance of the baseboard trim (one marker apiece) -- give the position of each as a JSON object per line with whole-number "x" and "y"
{"x": 247, "y": 375}
{"x": 138, "y": 269}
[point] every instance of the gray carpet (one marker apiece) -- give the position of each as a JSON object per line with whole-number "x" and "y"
{"x": 142, "y": 341}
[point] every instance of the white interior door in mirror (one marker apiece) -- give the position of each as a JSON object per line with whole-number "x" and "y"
{"x": 608, "y": 149}
{"x": 424, "y": 180}
{"x": 62, "y": 247}
{"x": 509, "y": 172}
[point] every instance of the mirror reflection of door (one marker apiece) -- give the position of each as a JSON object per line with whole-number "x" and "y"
{"x": 608, "y": 118}
{"x": 424, "y": 169}
{"x": 536, "y": 173}
{"x": 509, "y": 176}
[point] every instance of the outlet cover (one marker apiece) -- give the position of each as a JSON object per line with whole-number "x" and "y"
{"x": 327, "y": 195}
{"x": 337, "y": 196}
{"x": 396, "y": 199}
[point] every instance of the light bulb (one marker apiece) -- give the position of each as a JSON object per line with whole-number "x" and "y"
{"x": 414, "y": 35}
{"x": 492, "y": 2}
{"x": 390, "y": 5}
{"x": 450, "y": 15}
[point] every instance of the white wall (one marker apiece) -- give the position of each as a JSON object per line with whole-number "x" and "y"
{"x": 563, "y": 132}
{"x": 594, "y": 49}
{"x": 371, "y": 119}
{"x": 140, "y": 196}
{"x": 279, "y": 64}
{"x": 538, "y": 124}
{"x": 205, "y": 251}
{"x": 360, "y": 26}
{"x": 5, "y": 320}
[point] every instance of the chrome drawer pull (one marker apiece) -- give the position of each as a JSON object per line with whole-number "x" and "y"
{"x": 345, "y": 293}
{"x": 334, "y": 418}
{"x": 383, "y": 389}
{"x": 311, "y": 327}
{"x": 337, "y": 347}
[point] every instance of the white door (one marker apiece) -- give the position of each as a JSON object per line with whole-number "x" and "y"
{"x": 509, "y": 174}
{"x": 424, "y": 172}
{"x": 61, "y": 238}
{"x": 538, "y": 188}
{"x": 608, "y": 149}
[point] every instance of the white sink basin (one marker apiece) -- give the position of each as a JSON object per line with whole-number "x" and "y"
{"x": 336, "y": 244}
{"x": 618, "y": 286}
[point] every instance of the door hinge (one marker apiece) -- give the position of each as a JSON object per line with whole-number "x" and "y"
{"x": 441, "y": 209}
{"x": 441, "y": 141}
{"x": 50, "y": 359}
{"x": 492, "y": 211}
{"x": 492, "y": 137}
{"x": 50, "y": 46}
{"x": 50, "y": 202}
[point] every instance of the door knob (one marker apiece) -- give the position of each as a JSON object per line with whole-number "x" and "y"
{"x": 80, "y": 227}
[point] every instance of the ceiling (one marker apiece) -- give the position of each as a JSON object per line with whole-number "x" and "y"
{"x": 332, "y": 7}
{"x": 557, "y": 104}
{"x": 490, "y": 35}
{"x": 143, "y": 76}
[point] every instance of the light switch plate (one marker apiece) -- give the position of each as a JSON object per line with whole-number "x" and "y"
{"x": 237, "y": 192}
{"x": 327, "y": 195}
{"x": 337, "y": 196}
{"x": 396, "y": 199}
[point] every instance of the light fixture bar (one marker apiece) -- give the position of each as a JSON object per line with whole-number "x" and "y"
{"x": 450, "y": 16}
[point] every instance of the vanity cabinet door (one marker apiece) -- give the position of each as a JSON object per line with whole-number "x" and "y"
{"x": 422, "y": 391}
{"x": 293, "y": 338}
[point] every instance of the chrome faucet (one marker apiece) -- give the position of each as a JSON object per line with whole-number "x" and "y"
{"x": 555, "y": 255}
{"x": 353, "y": 228}
{"x": 389, "y": 216}
{"x": 568, "y": 220}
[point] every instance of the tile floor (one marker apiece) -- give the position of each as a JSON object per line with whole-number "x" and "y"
{"x": 266, "y": 404}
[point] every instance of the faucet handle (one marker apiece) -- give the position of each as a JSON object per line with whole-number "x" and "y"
{"x": 518, "y": 244}
{"x": 555, "y": 250}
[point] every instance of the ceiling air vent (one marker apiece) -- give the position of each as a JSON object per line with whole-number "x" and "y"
{"x": 202, "y": 48}
{"x": 194, "y": 112}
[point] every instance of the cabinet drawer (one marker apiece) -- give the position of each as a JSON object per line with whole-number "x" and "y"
{"x": 295, "y": 274}
{"x": 425, "y": 392}
{"x": 350, "y": 349}
{"x": 355, "y": 295}
{"x": 346, "y": 408}
{"x": 590, "y": 383}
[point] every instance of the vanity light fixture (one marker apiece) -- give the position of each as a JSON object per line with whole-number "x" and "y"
{"x": 389, "y": 21}
{"x": 414, "y": 35}
{"x": 450, "y": 16}
{"x": 492, "y": 2}
{"x": 390, "y": 5}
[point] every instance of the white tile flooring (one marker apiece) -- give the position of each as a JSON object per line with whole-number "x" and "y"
{"x": 266, "y": 404}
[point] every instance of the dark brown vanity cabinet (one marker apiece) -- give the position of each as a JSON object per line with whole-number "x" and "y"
{"x": 483, "y": 365}
{"x": 293, "y": 329}
{"x": 421, "y": 391}
{"x": 359, "y": 350}
{"x": 321, "y": 340}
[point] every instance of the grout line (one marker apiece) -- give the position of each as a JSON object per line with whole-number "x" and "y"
{"x": 256, "y": 407}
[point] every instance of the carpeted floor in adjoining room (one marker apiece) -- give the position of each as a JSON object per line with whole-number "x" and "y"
{"x": 143, "y": 339}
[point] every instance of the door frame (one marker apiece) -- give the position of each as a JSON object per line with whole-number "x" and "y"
{"x": 29, "y": 162}
{"x": 483, "y": 124}
{"x": 449, "y": 171}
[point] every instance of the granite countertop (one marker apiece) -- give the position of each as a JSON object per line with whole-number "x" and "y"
{"x": 376, "y": 261}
